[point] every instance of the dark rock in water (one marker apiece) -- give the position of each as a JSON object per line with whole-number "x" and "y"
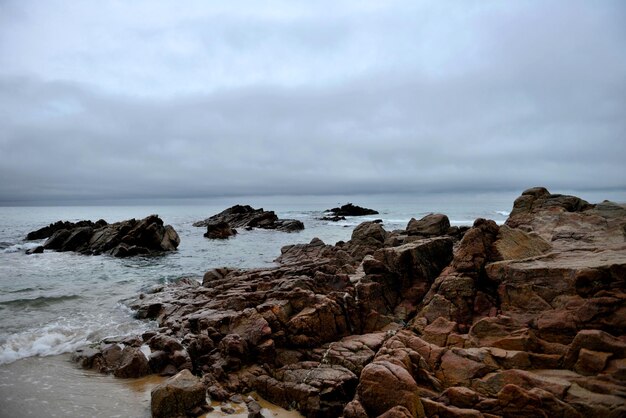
{"x": 351, "y": 210}
{"x": 36, "y": 250}
{"x": 247, "y": 217}
{"x": 335, "y": 218}
{"x": 121, "y": 239}
{"x": 177, "y": 396}
{"x": 219, "y": 230}
{"x": 47, "y": 231}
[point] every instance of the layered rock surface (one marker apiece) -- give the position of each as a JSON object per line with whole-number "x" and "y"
{"x": 524, "y": 319}
{"x": 120, "y": 239}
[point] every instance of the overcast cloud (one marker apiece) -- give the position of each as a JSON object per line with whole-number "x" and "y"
{"x": 192, "y": 99}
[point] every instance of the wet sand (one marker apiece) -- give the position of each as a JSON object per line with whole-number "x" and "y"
{"x": 55, "y": 387}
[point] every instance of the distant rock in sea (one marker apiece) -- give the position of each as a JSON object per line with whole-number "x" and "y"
{"x": 240, "y": 216}
{"x": 351, "y": 210}
{"x": 120, "y": 239}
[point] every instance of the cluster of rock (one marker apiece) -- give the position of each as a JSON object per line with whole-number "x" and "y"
{"x": 340, "y": 213}
{"x": 523, "y": 319}
{"x": 120, "y": 239}
{"x": 223, "y": 224}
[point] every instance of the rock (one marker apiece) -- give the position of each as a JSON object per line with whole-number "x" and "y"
{"x": 47, "y": 231}
{"x": 334, "y": 218}
{"x": 254, "y": 410}
{"x": 351, "y": 210}
{"x": 121, "y": 239}
{"x": 384, "y": 385}
{"x": 239, "y": 216}
{"x": 219, "y": 230}
{"x": 177, "y": 395}
{"x": 133, "y": 363}
{"x": 37, "y": 250}
{"x": 591, "y": 362}
{"x": 525, "y": 319}
{"x": 515, "y": 244}
{"x": 431, "y": 225}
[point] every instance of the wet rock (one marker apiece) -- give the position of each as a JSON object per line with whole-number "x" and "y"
{"x": 177, "y": 395}
{"x": 133, "y": 363}
{"x": 37, "y": 250}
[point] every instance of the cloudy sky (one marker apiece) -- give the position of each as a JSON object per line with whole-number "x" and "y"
{"x": 151, "y": 99}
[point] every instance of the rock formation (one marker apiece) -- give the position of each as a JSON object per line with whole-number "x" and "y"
{"x": 120, "y": 239}
{"x": 351, "y": 210}
{"x": 524, "y": 319}
{"x": 247, "y": 217}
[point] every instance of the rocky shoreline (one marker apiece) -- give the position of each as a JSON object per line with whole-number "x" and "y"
{"x": 523, "y": 319}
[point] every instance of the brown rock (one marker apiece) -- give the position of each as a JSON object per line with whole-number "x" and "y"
{"x": 431, "y": 225}
{"x": 591, "y": 362}
{"x": 177, "y": 395}
{"x": 385, "y": 385}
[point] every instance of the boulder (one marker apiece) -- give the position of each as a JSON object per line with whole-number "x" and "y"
{"x": 431, "y": 225}
{"x": 177, "y": 395}
{"x": 384, "y": 385}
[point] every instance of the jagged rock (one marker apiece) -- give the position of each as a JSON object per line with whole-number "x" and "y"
{"x": 351, "y": 210}
{"x": 121, "y": 239}
{"x": 240, "y": 216}
{"x": 177, "y": 395}
{"x": 47, "y": 231}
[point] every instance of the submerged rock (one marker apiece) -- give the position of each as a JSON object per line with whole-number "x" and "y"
{"x": 120, "y": 239}
{"x": 240, "y": 216}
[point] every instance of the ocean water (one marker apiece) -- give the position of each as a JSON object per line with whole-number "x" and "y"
{"x": 53, "y": 303}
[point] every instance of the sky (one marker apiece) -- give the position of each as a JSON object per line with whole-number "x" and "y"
{"x": 169, "y": 99}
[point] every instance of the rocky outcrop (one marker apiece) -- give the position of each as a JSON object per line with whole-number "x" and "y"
{"x": 120, "y": 239}
{"x": 47, "y": 231}
{"x": 247, "y": 217}
{"x": 525, "y": 319}
{"x": 351, "y": 210}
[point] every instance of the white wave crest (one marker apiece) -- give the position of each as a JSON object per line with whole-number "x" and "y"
{"x": 16, "y": 248}
{"x": 50, "y": 340}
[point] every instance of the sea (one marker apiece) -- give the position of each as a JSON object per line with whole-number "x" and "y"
{"x": 55, "y": 302}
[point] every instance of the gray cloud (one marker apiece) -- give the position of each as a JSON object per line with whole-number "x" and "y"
{"x": 174, "y": 102}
